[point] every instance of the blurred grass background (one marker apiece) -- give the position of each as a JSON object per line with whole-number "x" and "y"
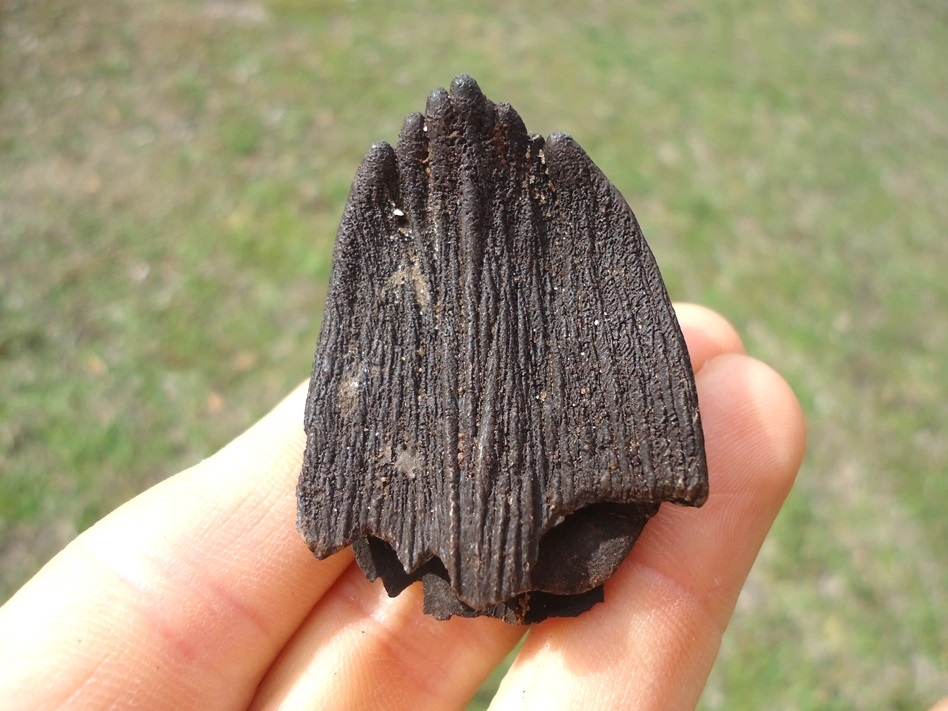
{"x": 172, "y": 174}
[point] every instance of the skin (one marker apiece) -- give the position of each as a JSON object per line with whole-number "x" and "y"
{"x": 199, "y": 593}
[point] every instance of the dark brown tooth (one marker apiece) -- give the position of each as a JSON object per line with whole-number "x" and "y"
{"x": 501, "y": 395}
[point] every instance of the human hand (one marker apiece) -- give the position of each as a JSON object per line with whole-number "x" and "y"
{"x": 199, "y": 593}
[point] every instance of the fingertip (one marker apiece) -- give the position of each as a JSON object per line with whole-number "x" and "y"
{"x": 707, "y": 333}
{"x": 751, "y": 414}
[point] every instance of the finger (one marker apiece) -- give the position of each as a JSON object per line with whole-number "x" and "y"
{"x": 357, "y": 632}
{"x": 707, "y": 333}
{"x": 361, "y": 649}
{"x": 188, "y": 591}
{"x": 653, "y": 641}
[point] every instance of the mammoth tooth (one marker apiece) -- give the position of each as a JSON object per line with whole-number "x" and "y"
{"x": 501, "y": 395}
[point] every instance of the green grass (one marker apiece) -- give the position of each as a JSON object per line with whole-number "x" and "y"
{"x": 171, "y": 175}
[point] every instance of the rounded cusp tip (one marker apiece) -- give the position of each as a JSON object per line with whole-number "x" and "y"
{"x": 464, "y": 87}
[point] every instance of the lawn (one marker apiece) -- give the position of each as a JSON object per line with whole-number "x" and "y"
{"x": 172, "y": 173}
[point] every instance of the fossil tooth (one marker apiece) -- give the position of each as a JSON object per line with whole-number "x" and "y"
{"x": 501, "y": 395}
